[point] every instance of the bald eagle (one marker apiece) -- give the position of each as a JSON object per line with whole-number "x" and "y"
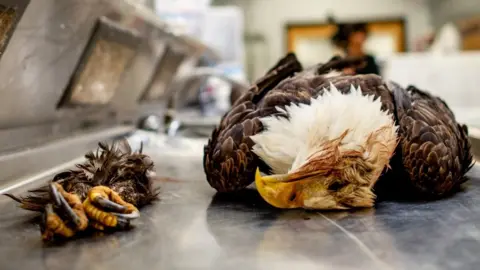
{"x": 317, "y": 138}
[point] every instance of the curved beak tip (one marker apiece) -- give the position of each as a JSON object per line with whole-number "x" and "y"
{"x": 269, "y": 191}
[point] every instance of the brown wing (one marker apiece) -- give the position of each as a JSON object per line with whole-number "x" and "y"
{"x": 235, "y": 94}
{"x": 228, "y": 161}
{"x": 435, "y": 149}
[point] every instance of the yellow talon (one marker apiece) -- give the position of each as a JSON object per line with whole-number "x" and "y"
{"x": 104, "y": 218}
{"x": 106, "y": 193}
{"x": 76, "y": 204}
{"x": 97, "y": 225}
{"x": 104, "y": 206}
{"x": 55, "y": 225}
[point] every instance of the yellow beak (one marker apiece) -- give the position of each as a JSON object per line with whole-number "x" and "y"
{"x": 278, "y": 190}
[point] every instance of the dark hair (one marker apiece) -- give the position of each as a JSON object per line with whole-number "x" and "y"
{"x": 358, "y": 27}
{"x": 344, "y": 30}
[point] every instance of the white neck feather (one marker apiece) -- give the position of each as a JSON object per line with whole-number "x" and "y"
{"x": 285, "y": 144}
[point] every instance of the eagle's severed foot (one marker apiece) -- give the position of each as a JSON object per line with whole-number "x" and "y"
{"x": 106, "y": 208}
{"x": 68, "y": 215}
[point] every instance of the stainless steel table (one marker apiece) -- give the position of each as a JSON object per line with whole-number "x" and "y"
{"x": 193, "y": 228}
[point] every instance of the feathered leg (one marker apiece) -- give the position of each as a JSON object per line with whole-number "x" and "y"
{"x": 102, "y": 194}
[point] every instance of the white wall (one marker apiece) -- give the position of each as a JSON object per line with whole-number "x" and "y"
{"x": 448, "y": 10}
{"x": 268, "y": 17}
{"x": 454, "y": 77}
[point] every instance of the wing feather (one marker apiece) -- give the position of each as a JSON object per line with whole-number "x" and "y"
{"x": 229, "y": 163}
{"x": 435, "y": 149}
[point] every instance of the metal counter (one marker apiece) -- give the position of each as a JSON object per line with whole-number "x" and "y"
{"x": 192, "y": 228}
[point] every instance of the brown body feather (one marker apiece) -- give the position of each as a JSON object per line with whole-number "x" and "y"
{"x": 434, "y": 151}
{"x": 228, "y": 160}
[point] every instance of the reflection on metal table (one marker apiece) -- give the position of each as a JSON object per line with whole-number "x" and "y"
{"x": 193, "y": 228}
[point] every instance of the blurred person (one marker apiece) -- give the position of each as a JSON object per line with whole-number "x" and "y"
{"x": 350, "y": 40}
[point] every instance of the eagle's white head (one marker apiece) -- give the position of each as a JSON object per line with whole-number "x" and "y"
{"x": 328, "y": 154}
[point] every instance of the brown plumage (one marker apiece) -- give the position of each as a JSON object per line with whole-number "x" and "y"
{"x": 228, "y": 160}
{"x": 112, "y": 183}
{"x": 235, "y": 94}
{"x": 433, "y": 150}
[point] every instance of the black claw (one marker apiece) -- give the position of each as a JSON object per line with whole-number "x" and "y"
{"x": 63, "y": 204}
{"x": 130, "y": 216}
{"x": 109, "y": 205}
{"x": 43, "y": 221}
{"x": 122, "y": 223}
{"x": 55, "y": 195}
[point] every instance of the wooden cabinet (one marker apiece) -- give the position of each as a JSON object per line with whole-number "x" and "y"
{"x": 470, "y": 31}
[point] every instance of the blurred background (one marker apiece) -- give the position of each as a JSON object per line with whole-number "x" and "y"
{"x": 430, "y": 43}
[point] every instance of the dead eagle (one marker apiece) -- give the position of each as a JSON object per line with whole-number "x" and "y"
{"x": 329, "y": 137}
{"x": 103, "y": 193}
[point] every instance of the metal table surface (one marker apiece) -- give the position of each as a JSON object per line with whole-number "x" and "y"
{"x": 192, "y": 228}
